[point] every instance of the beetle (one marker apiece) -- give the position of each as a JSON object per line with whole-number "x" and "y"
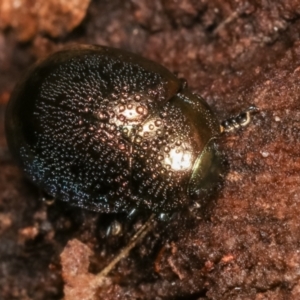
{"x": 111, "y": 131}
{"x": 108, "y": 130}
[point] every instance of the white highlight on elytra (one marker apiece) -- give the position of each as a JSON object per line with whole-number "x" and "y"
{"x": 179, "y": 159}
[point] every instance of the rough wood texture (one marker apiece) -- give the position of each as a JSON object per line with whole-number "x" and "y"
{"x": 247, "y": 246}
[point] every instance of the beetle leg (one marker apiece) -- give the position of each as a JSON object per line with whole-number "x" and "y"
{"x": 131, "y": 215}
{"x": 114, "y": 229}
{"x": 46, "y": 198}
{"x": 183, "y": 84}
{"x": 138, "y": 236}
{"x": 165, "y": 217}
{"x": 241, "y": 120}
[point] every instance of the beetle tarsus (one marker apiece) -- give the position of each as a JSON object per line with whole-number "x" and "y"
{"x": 139, "y": 235}
{"x": 241, "y": 120}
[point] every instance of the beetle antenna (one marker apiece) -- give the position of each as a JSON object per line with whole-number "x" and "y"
{"x": 241, "y": 120}
{"x": 138, "y": 236}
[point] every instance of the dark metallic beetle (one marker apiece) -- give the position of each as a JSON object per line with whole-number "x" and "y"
{"x": 111, "y": 131}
